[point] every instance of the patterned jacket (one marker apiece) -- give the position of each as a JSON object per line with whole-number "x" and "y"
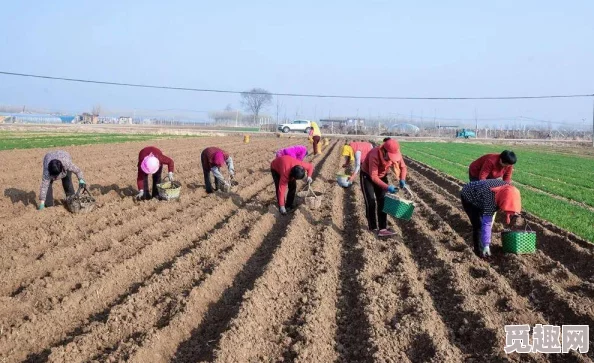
{"x": 67, "y": 164}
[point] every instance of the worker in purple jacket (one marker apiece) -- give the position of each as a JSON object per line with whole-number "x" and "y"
{"x": 299, "y": 152}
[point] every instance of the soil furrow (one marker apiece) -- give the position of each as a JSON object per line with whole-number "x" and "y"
{"x": 552, "y": 276}
{"x": 465, "y": 304}
{"x": 453, "y": 224}
{"x": 165, "y": 294}
{"x": 203, "y": 339}
{"x": 103, "y": 250}
{"x": 311, "y": 329}
{"x": 85, "y": 302}
{"x": 404, "y": 323}
{"x": 119, "y": 159}
{"x": 105, "y": 225}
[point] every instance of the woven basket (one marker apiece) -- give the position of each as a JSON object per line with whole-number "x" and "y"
{"x": 399, "y": 207}
{"x": 80, "y": 202}
{"x": 519, "y": 242}
{"x": 312, "y": 199}
{"x": 169, "y": 190}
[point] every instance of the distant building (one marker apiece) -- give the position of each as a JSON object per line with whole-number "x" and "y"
{"x": 126, "y": 120}
{"x": 87, "y": 118}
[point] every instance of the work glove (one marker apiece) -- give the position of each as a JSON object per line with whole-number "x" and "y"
{"x": 170, "y": 175}
{"x": 486, "y": 251}
{"x": 392, "y": 189}
{"x": 402, "y": 184}
{"x": 81, "y": 183}
{"x": 41, "y": 206}
{"x": 309, "y": 180}
{"x": 231, "y": 172}
{"x": 283, "y": 210}
{"x": 139, "y": 195}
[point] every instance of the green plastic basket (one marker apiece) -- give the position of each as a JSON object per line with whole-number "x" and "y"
{"x": 398, "y": 207}
{"x": 519, "y": 242}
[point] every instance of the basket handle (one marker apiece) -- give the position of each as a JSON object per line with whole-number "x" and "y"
{"x": 310, "y": 191}
{"x": 528, "y": 228}
{"x": 81, "y": 190}
{"x": 413, "y": 196}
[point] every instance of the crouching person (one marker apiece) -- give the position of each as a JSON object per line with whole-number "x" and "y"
{"x": 286, "y": 170}
{"x": 150, "y": 162}
{"x": 213, "y": 160}
{"x": 374, "y": 183}
{"x": 57, "y": 165}
{"x": 299, "y": 152}
{"x": 480, "y": 200}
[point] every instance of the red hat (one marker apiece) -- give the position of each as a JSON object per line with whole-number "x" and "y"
{"x": 508, "y": 200}
{"x": 393, "y": 149}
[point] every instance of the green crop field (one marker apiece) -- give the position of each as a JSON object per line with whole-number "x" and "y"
{"x": 548, "y": 180}
{"x": 29, "y": 140}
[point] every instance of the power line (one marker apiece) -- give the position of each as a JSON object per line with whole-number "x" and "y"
{"x": 288, "y": 94}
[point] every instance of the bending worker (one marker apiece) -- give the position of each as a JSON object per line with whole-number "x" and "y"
{"x": 356, "y": 151}
{"x": 374, "y": 183}
{"x": 286, "y": 170}
{"x": 150, "y": 162}
{"x": 57, "y": 165}
{"x": 481, "y": 199}
{"x": 315, "y": 134}
{"x": 493, "y": 166}
{"x": 213, "y": 160}
{"x": 299, "y": 152}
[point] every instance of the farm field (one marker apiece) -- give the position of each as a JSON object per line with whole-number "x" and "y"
{"x": 29, "y": 140}
{"x": 558, "y": 187}
{"x": 225, "y": 278}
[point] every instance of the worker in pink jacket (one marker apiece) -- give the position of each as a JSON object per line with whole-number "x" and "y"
{"x": 298, "y": 152}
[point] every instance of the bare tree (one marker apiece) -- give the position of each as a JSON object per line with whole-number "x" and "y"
{"x": 255, "y": 100}
{"x": 96, "y": 110}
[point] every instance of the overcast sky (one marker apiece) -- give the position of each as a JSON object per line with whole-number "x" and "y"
{"x": 385, "y": 48}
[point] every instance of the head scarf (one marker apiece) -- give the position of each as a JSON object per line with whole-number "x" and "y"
{"x": 150, "y": 164}
{"x": 347, "y": 150}
{"x": 507, "y": 198}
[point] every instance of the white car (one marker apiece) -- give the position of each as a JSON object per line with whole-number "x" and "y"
{"x": 297, "y": 125}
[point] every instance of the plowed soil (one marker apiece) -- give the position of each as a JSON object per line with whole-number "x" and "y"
{"x": 224, "y": 277}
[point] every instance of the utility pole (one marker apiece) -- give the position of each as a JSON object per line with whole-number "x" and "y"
{"x": 475, "y": 123}
{"x": 435, "y": 120}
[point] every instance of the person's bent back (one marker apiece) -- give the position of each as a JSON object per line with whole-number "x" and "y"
{"x": 493, "y": 166}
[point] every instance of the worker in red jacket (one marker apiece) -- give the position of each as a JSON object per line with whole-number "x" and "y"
{"x": 374, "y": 183}
{"x": 286, "y": 170}
{"x": 150, "y": 162}
{"x": 213, "y": 160}
{"x": 493, "y": 166}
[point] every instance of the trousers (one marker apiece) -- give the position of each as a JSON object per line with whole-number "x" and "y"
{"x": 474, "y": 214}
{"x": 290, "y": 193}
{"x": 66, "y": 184}
{"x": 374, "y": 196}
